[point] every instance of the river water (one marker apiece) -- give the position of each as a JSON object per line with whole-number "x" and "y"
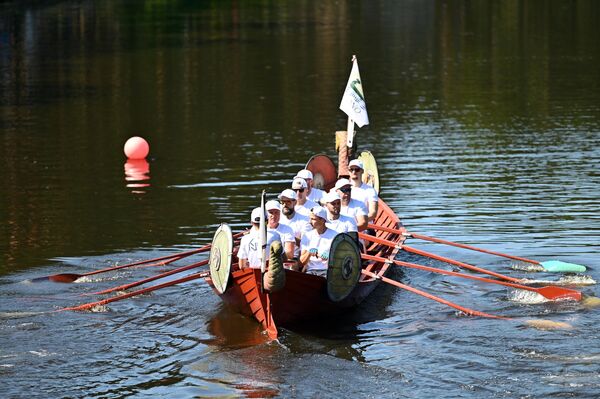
{"x": 485, "y": 121}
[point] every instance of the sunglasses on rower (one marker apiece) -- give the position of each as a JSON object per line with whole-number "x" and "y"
{"x": 355, "y": 169}
{"x": 299, "y": 190}
{"x": 345, "y": 189}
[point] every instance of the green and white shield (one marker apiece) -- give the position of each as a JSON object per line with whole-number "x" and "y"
{"x": 344, "y": 267}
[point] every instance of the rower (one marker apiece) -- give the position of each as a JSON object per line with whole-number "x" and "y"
{"x": 336, "y": 221}
{"x": 362, "y": 191}
{"x": 300, "y": 224}
{"x": 349, "y": 206}
{"x": 314, "y": 194}
{"x": 303, "y": 204}
{"x": 249, "y": 252}
{"x": 285, "y": 232}
{"x": 315, "y": 244}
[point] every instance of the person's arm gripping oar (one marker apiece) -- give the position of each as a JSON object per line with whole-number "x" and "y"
{"x": 551, "y": 293}
{"x": 556, "y": 266}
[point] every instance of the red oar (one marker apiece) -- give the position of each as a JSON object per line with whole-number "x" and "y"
{"x": 70, "y": 277}
{"x": 149, "y": 279}
{"x": 549, "y": 266}
{"x": 437, "y": 257}
{"x": 552, "y": 293}
{"x": 138, "y": 292}
{"x": 467, "y": 311}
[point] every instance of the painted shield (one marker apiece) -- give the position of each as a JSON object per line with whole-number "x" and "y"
{"x": 371, "y": 175}
{"x": 323, "y": 170}
{"x": 220, "y": 257}
{"x": 344, "y": 267}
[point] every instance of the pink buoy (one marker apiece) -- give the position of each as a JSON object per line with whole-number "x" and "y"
{"x": 136, "y": 148}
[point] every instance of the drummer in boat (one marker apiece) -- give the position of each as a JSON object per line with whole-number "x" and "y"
{"x": 335, "y": 220}
{"x": 315, "y": 244}
{"x": 303, "y": 204}
{"x": 349, "y": 206}
{"x": 312, "y": 193}
{"x": 363, "y": 192}
{"x": 249, "y": 252}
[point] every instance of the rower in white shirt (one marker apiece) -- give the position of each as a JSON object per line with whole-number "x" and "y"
{"x": 314, "y": 194}
{"x": 336, "y": 221}
{"x": 362, "y": 191}
{"x": 249, "y": 252}
{"x": 351, "y": 207}
{"x": 285, "y": 232}
{"x": 300, "y": 224}
{"x": 303, "y": 204}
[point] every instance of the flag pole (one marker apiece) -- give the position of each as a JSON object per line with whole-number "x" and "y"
{"x": 353, "y": 103}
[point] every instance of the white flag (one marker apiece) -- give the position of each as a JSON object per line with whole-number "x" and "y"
{"x": 353, "y": 101}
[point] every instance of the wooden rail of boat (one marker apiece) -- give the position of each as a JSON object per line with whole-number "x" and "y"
{"x": 304, "y": 296}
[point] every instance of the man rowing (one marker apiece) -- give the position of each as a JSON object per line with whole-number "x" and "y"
{"x": 314, "y": 194}
{"x": 303, "y": 204}
{"x": 362, "y": 191}
{"x": 315, "y": 244}
{"x": 300, "y": 224}
{"x": 336, "y": 221}
{"x": 349, "y": 206}
{"x": 249, "y": 252}
{"x": 285, "y": 232}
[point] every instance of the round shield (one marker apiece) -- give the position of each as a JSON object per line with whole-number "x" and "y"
{"x": 323, "y": 170}
{"x": 344, "y": 267}
{"x": 220, "y": 257}
{"x": 371, "y": 174}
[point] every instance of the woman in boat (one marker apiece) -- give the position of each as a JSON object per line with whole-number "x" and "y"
{"x": 315, "y": 244}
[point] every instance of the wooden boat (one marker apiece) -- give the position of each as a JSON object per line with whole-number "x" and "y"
{"x": 305, "y": 296}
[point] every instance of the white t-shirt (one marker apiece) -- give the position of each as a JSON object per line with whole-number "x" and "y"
{"x": 365, "y": 194}
{"x": 305, "y": 209}
{"x": 285, "y": 232}
{"x": 343, "y": 224}
{"x": 316, "y": 195}
{"x": 300, "y": 224}
{"x": 322, "y": 242}
{"x": 354, "y": 209}
{"x": 250, "y": 246}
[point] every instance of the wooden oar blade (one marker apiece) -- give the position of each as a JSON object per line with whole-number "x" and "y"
{"x": 557, "y": 266}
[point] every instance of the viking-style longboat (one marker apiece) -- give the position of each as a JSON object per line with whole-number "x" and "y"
{"x": 358, "y": 262}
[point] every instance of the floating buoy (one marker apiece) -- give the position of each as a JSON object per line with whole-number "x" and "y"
{"x": 136, "y": 148}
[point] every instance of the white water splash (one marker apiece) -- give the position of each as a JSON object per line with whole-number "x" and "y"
{"x": 526, "y": 297}
{"x": 576, "y": 280}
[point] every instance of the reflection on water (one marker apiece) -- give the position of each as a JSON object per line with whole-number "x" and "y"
{"x": 485, "y": 122}
{"x": 137, "y": 173}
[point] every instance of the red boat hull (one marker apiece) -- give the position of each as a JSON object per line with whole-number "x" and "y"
{"x": 304, "y": 296}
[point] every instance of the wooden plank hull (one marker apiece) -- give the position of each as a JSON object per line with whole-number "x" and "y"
{"x": 304, "y": 296}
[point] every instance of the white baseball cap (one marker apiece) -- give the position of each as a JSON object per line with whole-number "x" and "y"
{"x": 255, "y": 217}
{"x": 330, "y": 197}
{"x": 341, "y": 183}
{"x": 305, "y": 174}
{"x": 270, "y": 205}
{"x": 298, "y": 182}
{"x": 356, "y": 162}
{"x": 319, "y": 211}
{"x": 287, "y": 193}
